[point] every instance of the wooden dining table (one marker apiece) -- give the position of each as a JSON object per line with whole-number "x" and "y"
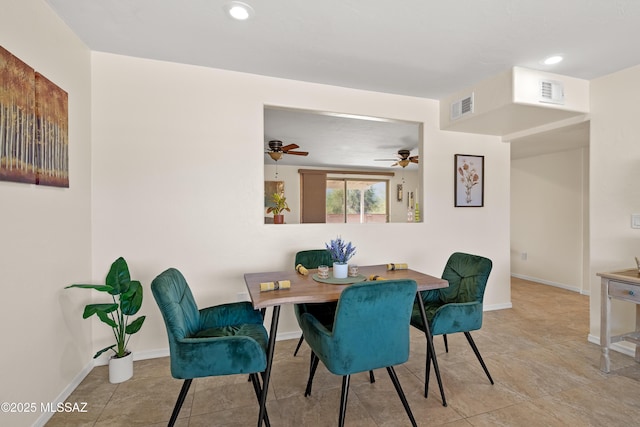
{"x": 306, "y": 289}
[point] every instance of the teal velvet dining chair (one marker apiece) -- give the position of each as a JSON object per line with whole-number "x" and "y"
{"x": 324, "y": 311}
{"x": 370, "y": 331}
{"x": 224, "y": 339}
{"x": 457, "y": 308}
{"x": 311, "y": 259}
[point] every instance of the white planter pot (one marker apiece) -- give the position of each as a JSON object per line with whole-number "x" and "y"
{"x": 340, "y": 271}
{"x": 120, "y": 369}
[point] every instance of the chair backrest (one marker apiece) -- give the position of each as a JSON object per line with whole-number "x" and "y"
{"x": 176, "y": 303}
{"x": 313, "y": 258}
{"x": 372, "y": 326}
{"x": 467, "y": 276}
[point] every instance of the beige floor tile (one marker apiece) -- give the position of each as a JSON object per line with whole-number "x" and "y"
{"x": 545, "y": 372}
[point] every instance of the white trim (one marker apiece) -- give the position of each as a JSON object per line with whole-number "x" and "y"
{"x": 137, "y": 355}
{"x": 66, "y": 392}
{"x": 550, "y": 283}
{"x": 497, "y": 306}
{"x": 289, "y": 335}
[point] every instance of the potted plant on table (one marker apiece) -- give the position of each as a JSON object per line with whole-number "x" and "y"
{"x": 126, "y": 295}
{"x": 341, "y": 253}
{"x": 280, "y": 202}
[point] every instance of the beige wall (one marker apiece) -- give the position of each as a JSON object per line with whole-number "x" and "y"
{"x": 615, "y": 194}
{"x": 46, "y": 231}
{"x": 170, "y": 190}
{"x": 154, "y": 177}
{"x": 549, "y": 198}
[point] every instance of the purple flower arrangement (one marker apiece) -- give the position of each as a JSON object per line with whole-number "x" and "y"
{"x": 340, "y": 251}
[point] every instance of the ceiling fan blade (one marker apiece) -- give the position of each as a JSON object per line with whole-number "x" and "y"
{"x": 290, "y": 147}
{"x": 297, "y": 153}
{"x": 414, "y": 159}
{"x": 395, "y": 164}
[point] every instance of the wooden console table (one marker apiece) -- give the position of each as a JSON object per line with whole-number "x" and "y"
{"x": 623, "y": 285}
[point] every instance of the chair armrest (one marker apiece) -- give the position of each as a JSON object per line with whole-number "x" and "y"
{"x": 318, "y": 337}
{"x": 457, "y": 317}
{"x": 309, "y": 323}
{"x": 202, "y": 357}
{"x": 235, "y": 313}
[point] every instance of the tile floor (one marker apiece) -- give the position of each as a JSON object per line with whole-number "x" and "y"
{"x": 545, "y": 372}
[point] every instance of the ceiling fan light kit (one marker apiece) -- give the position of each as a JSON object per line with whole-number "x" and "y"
{"x": 276, "y": 150}
{"x": 404, "y": 158}
{"x": 275, "y": 155}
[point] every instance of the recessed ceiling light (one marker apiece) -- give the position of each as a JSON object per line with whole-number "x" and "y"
{"x": 553, "y": 60}
{"x": 239, "y": 10}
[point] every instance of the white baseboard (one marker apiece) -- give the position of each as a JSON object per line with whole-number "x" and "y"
{"x": 493, "y": 307}
{"x": 289, "y": 335}
{"x": 550, "y": 283}
{"x": 46, "y": 416}
{"x": 137, "y": 355}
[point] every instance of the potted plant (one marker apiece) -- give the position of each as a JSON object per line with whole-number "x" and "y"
{"x": 126, "y": 295}
{"x": 280, "y": 202}
{"x": 341, "y": 253}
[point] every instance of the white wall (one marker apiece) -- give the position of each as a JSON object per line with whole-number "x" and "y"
{"x": 549, "y": 196}
{"x": 615, "y": 193}
{"x": 46, "y": 231}
{"x": 169, "y": 189}
{"x": 154, "y": 178}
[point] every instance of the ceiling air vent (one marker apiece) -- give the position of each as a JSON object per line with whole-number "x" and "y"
{"x": 462, "y": 107}
{"x": 551, "y": 92}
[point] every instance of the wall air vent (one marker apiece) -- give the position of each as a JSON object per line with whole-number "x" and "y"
{"x": 462, "y": 107}
{"x": 551, "y": 92}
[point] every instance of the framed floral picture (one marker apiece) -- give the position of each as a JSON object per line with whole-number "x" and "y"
{"x": 469, "y": 181}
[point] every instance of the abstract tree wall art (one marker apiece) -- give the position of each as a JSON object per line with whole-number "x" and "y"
{"x": 34, "y": 144}
{"x": 52, "y": 141}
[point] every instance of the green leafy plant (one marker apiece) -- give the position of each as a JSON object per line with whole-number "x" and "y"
{"x": 280, "y": 204}
{"x": 127, "y": 300}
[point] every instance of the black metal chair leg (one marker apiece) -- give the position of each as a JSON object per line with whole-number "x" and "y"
{"x": 372, "y": 378}
{"x": 176, "y": 409}
{"x": 343, "y": 399}
{"x": 446, "y": 344}
{"x": 475, "y": 350}
{"x": 396, "y": 384}
{"x": 295, "y": 353}
{"x": 266, "y": 375}
{"x": 258, "y": 389}
{"x": 427, "y": 372}
{"x": 430, "y": 352}
{"x": 312, "y": 372}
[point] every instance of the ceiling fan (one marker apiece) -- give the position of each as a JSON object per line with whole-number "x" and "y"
{"x": 276, "y": 150}
{"x": 404, "y": 158}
